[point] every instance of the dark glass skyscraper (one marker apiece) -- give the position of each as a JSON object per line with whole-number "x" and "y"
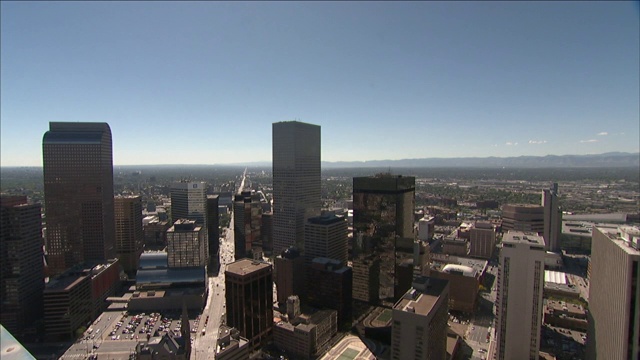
{"x": 78, "y": 188}
{"x": 296, "y": 181}
{"x": 383, "y": 236}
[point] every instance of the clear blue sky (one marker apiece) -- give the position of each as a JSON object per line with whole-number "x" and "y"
{"x": 202, "y": 82}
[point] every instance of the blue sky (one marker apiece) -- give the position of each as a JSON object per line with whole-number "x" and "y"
{"x": 202, "y": 82}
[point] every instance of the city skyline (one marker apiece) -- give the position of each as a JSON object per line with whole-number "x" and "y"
{"x": 383, "y": 80}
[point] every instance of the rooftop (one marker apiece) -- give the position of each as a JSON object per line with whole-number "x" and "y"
{"x": 246, "y": 266}
{"x": 421, "y": 298}
{"x": 519, "y": 237}
{"x": 626, "y": 237}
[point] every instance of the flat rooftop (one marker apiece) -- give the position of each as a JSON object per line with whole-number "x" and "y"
{"x": 520, "y": 237}
{"x": 422, "y": 301}
{"x": 442, "y": 260}
{"x": 626, "y": 237}
{"x": 246, "y": 266}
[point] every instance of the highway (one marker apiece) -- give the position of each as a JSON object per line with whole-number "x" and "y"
{"x": 204, "y": 346}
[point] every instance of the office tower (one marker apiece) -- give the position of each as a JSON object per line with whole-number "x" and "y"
{"x": 189, "y": 201}
{"x": 296, "y": 181}
{"x": 129, "y": 233}
{"x": 614, "y": 294}
{"x": 249, "y": 299}
{"x": 186, "y": 245}
{"x": 247, "y": 221}
{"x": 366, "y": 279}
{"x": 419, "y": 329}
{"x": 21, "y": 263}
{"x": 326, "y": 236}
{"x": 482, "y": 240}
{"x": 213, "y": 230}
{"x": 290, "y": 274}
{"x": 78, "y": 190}
{"x": 67, "y": 305}
{"x": 331, "y": 287}
{"x": 383, "y": 227}
{"x": 155, "y": 232}
{"x": 523, "y": 217}
{"x": 426, "y": 228}
{"x": 552, "y": 218}
{"x": 519, "y": 299}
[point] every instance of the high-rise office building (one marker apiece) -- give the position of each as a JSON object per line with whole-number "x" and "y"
{"x": 614, "y": 294}
{"x": 383, "y": 228}
{"x": 326, "y": 236}
{"x": 290, "y": 274}
{"x": 419, "y": 329}
{"x": 552, "y": 218}
{"x": 331, "y": 287}
{"x": 21, "y": 263}
{"x": 129, "y": 233}
{"x": 482, "y": 240}
{"x": 186, "y": 245}
{"x": 189, "y": 201}
{"x": 247, "y": 222}
{"x": 249, "y": 299}
{"x": 519, "y": 300}
{"x": 296, "y": 181}
{"x": 78, "y": 190}
{"x": 523, "y": 217}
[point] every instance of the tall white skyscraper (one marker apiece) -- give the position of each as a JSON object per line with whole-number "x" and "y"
{"x": 552, "y": 218}
{"x": 189, "y": 201}
{"x": 614, "y": 293}
{"x": 519, "y": 301}
{"x": 296, "y": 181}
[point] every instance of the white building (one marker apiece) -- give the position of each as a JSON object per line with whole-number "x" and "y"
{"x": 614, "y": 295}
{"x": 519, "y": 301}
{"x": 189, "y": 201}
{"x": 296, "y": 181}
{"x": 426, "y": 228}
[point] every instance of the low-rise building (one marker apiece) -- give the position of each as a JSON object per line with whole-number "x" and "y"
{"x": 231, "y": 346}
{"x": 307, "y": 335}
{"x": 565, "y": 315}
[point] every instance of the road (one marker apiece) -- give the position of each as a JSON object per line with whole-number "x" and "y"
{"x": 205, "y": 345}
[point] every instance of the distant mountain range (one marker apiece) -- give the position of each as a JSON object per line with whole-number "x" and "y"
{"x": 612, "y": 159}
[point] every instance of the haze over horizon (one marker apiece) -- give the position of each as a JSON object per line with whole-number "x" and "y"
{"x": 202, "y": 82}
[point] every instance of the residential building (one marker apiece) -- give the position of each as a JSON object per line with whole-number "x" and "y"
{"x": 296, "y": 181}
{"x": 129, "y": 232}
{"x": 249, "y": 300}
{"x": 419, "y": 329}
{"x": 614, "y": 293}
{"x": 519, "y": 296}
{"x": 78, "y": 190}
{"x": 21, "y": 264}
{"x": 186, "y": 244}
{"x": 383, "y": 228}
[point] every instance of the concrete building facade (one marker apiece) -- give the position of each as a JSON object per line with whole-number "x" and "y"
{"x": 419, "y": 329}
{"x": 614, "y": 295}
{"x": 186, "y": 244}
{"x": 519, "y": 298}
{"x": 523, "y": 217}
{"x": 482, "y": 240}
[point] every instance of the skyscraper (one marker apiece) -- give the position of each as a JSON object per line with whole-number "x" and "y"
{"x": 186, "y": 245}
{"x": 419, "y": 329}
{"x": 614, "y": 294}
{"x": 326, "y": 236}
{"x": 519, "y": 301}
{"x": 383, "y": 228}
{"x": 552, "y": 218}
{"x": 296, "y": 181}
{"x": 78, "y": 189}
{"x": 213, "y": 232}
{"x": 247, "y": 222}
{"x": 129, "y": 233}
{"x": 189, "y": 201}
{"x": 21, "y": 265}
{"x": 249, "y": 299}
